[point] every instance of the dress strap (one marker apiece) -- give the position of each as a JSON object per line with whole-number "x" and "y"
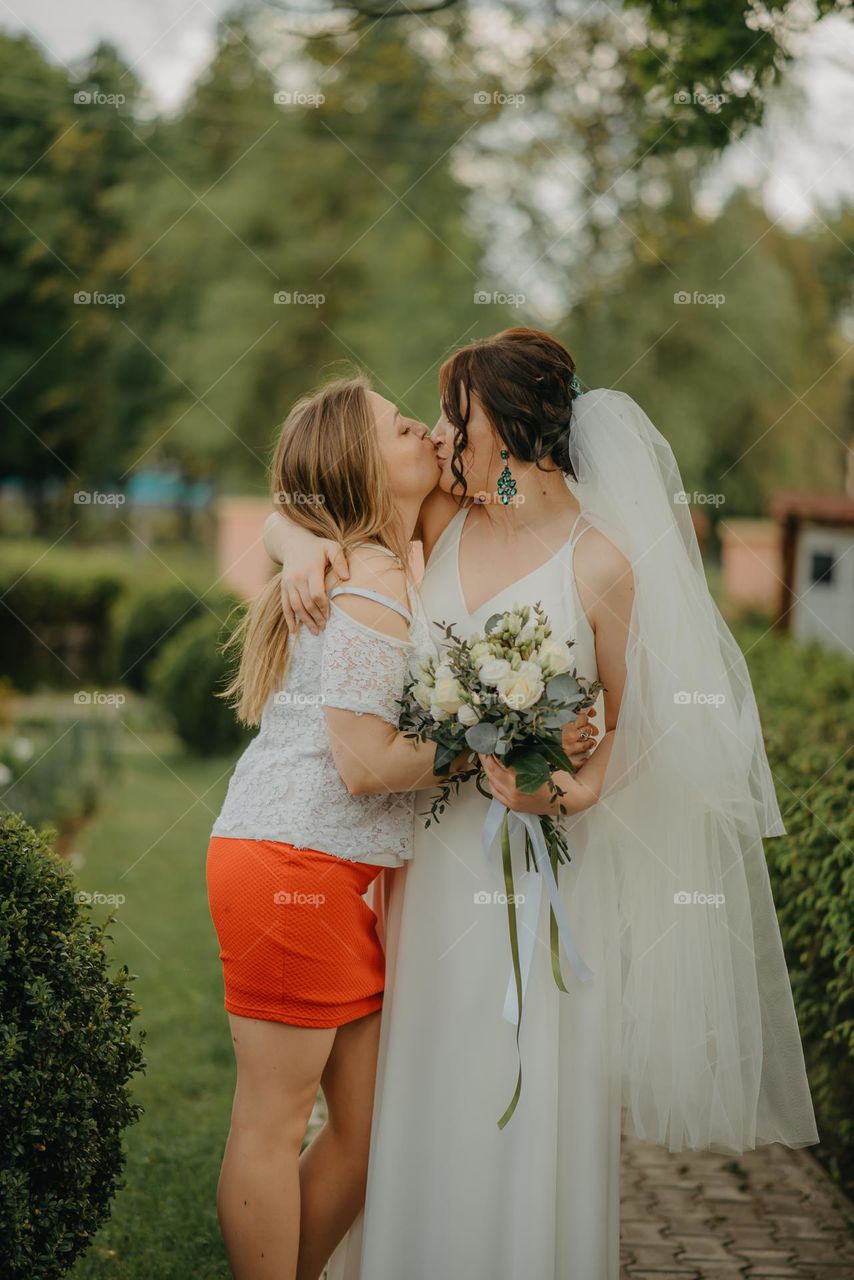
{"x": 572, "y": 538}
{"x": 344, "y": 590}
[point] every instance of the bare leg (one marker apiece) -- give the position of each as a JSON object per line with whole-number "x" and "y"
{"x": 279, "y": 1068}
{"x": 334, "y": 1168}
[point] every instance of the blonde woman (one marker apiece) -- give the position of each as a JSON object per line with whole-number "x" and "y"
{"x": 317, "y": 805}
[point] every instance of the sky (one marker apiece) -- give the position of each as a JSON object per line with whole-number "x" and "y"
{"x": 802, "y": 158}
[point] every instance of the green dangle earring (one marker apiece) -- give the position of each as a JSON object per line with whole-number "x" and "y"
{"x": 506, "y": 483}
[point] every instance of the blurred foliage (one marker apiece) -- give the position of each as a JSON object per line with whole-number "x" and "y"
{"x": 147, "y": 617}
{"x": 55, "y": 767}
{"x": 378, "y": 180}
{"x": 188, "y": 674}
{"x": 809, "y": 697}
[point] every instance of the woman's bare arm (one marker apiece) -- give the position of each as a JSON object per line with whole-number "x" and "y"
{"x": 370, "y": 754}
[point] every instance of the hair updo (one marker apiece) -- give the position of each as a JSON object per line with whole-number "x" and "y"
{"x": 525, "y": 380}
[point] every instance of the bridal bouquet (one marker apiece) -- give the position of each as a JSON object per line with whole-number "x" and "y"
{"x": 508, "y": 692}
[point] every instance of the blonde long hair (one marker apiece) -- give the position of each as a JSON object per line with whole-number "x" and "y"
{"x": 329, "y": 473}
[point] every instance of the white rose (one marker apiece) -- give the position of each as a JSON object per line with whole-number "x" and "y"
{"x": 554, "y": 656}
{"x": 521, "y": 689}
{"x": 480, "y": 652}
{"x": 438, "y": 713}
{"x": 423, "y": 695}
{"x": 420, "y": 666}
{"x": 467, "y": 715}
{"x": 447, "y": 692}
{"x": 493, "y": 670}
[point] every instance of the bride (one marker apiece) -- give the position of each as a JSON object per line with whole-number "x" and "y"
{"x": 687, "y": 1024}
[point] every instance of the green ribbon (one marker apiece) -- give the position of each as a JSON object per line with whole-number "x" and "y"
{"x": 513, "y": 924}
{"x": 510, "y": 894}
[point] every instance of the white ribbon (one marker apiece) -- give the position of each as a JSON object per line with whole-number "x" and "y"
{"x": 529, "y": 909}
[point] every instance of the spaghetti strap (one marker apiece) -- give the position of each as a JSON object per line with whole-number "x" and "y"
{"x": 572, "y": 539}
{"x": 367, "y": 594}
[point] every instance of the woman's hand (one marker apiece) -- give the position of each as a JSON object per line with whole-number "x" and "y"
{"x": 576, "y": 745}
{"x": 502, "y": 784}
{"x": 305, "y": 560}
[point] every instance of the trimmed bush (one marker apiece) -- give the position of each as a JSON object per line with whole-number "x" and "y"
{"x": 56, "y": 613}
{"x": 67, "y": 1054}
{"x": 187, "y": 674}
{"x": 806, "y": 697}
{"x": 149, "y": 617}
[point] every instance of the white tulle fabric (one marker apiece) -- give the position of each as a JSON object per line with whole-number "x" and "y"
{"x": 711, "y": 1052}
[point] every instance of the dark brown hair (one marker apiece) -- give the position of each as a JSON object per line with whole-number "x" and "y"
{"x": 524, "y": 379}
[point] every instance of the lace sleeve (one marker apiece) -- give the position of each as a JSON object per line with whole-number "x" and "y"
{"x": 362, "y": 670}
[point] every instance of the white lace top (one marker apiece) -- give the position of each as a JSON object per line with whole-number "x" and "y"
{"x": 285, "y": 786}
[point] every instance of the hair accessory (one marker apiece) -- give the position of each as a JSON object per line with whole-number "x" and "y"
{"x": 575, "y": 385}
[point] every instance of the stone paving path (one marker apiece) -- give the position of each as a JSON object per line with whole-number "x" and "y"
{"x": 700, "y": 1216}
{"x": 771, "y": 1214}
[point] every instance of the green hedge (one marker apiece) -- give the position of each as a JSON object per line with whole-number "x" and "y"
{"x": 72, "y": 615}
{"x": 55, "y": 613}
{"x": 184, "y": 680}
{"x": 148, "y": 617}
{"x": 67, "y": 1055}
{"x": 806, "y": 700}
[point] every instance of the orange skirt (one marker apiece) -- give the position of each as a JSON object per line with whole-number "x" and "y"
{"x": 297, "y": 940}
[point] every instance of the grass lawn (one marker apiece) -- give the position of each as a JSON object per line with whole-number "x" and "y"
{"x": 149, "y": 842}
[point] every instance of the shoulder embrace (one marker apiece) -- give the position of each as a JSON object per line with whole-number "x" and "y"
{"x": 374, "y": 570}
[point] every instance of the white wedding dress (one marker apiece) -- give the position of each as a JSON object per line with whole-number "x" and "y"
{"x": 450, "y": 1195}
